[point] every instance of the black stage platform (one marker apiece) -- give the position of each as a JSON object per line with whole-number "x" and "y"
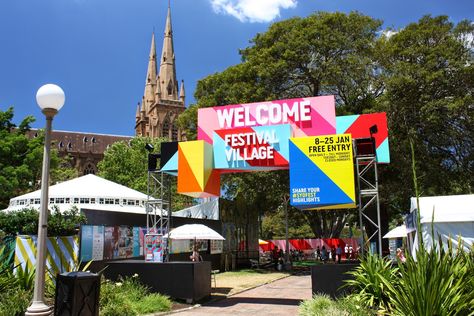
{"x": 328, "y": 278}
{"x": 190, "y": 281}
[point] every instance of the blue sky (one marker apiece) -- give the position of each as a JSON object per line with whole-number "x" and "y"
{"x": 97, "y": 50}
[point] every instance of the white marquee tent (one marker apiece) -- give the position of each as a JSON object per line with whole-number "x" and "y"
{"x": 89, "y": 192}
{"x": 447, "y": 216}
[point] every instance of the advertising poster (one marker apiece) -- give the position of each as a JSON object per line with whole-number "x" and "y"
{"x": 154, "y": 247}
{"x": 92, "y": 242}
{"x": 252, "y": 148}
{"x": 125, "y": 242}
{"x": 86, "y": 242}
{"x": 322, "y": 172}
{"x": 97, "y": 242}
{"x": 217, "y": 246}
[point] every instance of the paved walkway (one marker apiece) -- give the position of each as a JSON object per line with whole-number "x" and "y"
{"x": 277, "y": 298}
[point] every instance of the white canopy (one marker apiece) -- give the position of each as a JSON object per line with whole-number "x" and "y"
{"x": 194, "y": 231}
{"x": 448, "y": 208}
{"x": 206, "y": 210}
{"x": 89, "y": 192}
{"x": 397, "y": 232}
{"x": 449, "y": 217}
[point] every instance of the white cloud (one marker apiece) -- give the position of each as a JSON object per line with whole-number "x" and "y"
{"x": 252, "y": 10}
{"x": 389, "y": 33}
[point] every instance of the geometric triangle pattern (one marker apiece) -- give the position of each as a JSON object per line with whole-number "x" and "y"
{"x": 196, "y": 176}
{"x": 359, "y": 127}
{"x": 322, "y": 172}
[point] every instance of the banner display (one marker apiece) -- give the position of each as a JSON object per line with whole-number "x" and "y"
{"x": 186, "y": 245}
{"x": 307, "y": 116}
{"x": 92, "y": 242}
{"x": 154, "y": 248}
{"x": 252, "y": 148}
{"x": 359, "y": 127}
{"x": 217, "y": 246}
{"x": 322, "y": 172}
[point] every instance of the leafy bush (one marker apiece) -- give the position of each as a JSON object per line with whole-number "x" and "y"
{"x": 15, "y": 301}
{"x": 369, "y": 281}
{"x": 25, "y": 278}
{"x": 130, "y": 297}
{"x": 25, "y": 222}
{"x": 322, "y": 305}
{"x": 439, "y": 282}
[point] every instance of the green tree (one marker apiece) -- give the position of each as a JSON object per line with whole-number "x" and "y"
{"x": 429, "y": 76}
{"x": 21, "y": 159}
{"x": 127, "y": 163}
{"x": 325, "y": 53}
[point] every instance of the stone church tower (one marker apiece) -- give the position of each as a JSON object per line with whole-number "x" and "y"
{"x": 161, "y": 104}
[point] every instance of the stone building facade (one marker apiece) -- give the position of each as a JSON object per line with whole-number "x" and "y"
{"x": 161, "y": 103}
{"x": 85, "y": 149}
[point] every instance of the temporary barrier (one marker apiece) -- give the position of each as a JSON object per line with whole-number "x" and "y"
{"x": 62, "y": 253}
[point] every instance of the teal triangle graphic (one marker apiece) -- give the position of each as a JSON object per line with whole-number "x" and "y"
{"x": 172, "y": 164}
{"x": 310, "y": 187}
{"x": 383, "y": 154}
{"x": 344, "y": 122}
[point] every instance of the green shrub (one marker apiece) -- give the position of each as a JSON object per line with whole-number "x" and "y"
{"x": 369, "y": 282}
{"x": 25, "y": 277}
{"x": 322, "y": 305}
{"x": 130, "y": 297}
{"x": 14, "y": 301}
{"x": 439, "y": 282}
{"x": 25, "y": 222}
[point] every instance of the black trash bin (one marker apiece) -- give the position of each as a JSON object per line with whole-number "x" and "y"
{"x": 77, "y": 293}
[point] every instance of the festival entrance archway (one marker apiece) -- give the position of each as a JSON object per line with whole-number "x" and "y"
{"x": 302, "y": 135}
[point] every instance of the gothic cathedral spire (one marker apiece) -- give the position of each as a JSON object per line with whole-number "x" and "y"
{"x": 150, "y": 81}
{"x": 169, "y": 84}
{"x": 161, "y": 104}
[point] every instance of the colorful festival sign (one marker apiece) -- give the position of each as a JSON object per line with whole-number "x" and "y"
{"x": 252, "y": 148}
{"x": 322, "y": 172}
{"x": 359, "y": 127}
{"x": 307, "y": 116}
{"x": 197, "y": 176}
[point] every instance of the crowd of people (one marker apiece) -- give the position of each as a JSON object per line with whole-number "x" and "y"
{"x": 333, "y": 254}
{"x": 336, "y": 254}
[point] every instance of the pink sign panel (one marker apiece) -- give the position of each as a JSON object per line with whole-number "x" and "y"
{"x": 307, "y": 116}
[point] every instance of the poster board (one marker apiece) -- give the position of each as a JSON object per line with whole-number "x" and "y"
{"x": 322, "y": 172}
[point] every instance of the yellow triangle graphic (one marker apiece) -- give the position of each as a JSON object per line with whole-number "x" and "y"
{"x": 193, "y": 151}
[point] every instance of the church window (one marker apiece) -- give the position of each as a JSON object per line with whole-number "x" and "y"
{"x": 174, "y": 133}
{"x": 166, "y": 128}
{"x": 170, "y": 88}
{"x": 89, "y": 169}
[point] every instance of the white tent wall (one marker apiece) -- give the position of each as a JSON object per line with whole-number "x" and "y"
{"x": 459, "y": 232}
{"x": 448, "y": 217}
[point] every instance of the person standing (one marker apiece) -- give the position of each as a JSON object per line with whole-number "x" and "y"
{"x": 324, "y": 254}
{"x": 351, "y": 250}
{"x": 333, "y": 254}
{"x": 346, "y": 250}
{"x": 339, "y": 253}
{"x": 318, "y": 253}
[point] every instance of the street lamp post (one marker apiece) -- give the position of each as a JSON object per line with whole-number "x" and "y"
{"x": 50, "y": 99}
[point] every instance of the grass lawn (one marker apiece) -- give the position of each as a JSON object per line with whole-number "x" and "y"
{"x": 232, "y": 282}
